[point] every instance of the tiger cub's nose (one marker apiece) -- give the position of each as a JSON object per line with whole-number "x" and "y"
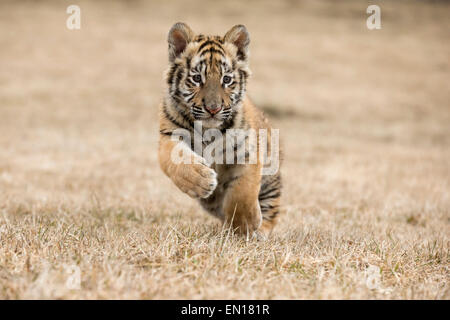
{"x": 213, "y": 109}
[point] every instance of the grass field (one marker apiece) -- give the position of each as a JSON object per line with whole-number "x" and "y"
{"x": 85, "y": 211}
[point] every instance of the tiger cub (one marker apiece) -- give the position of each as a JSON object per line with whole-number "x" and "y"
{"x": 206, "y": 81}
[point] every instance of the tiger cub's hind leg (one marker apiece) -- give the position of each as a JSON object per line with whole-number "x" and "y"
{"x": 269, "y": 201}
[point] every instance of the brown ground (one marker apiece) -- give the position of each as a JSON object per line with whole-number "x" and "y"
{"x": 364, "y": 117}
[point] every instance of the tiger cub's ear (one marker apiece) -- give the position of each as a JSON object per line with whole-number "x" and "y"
{"x": 238, "y": 35}
{"x": 179, "y": 36}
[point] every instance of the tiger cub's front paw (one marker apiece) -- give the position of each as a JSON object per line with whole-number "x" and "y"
{"x": 197, "y": 180}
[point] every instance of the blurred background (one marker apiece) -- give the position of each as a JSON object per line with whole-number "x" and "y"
{"x": 363, "y": 114}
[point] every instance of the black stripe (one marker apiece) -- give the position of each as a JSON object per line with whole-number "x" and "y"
{"x": 245, "y": 74}
{"x": 204, "y": 44}
{"x": 241, "y": 55}
{"x": 171, "y": 119}
{"x": 241, "y": 86}
{"x": 184, "y": 116}
{"x": 270, "y": 217}
{"x": 190, "y": 99}
{"x": 212, "y": 50}
{"x": 266, "y": 192}
{"x": 228, "y": 123}
{"x": 269, "y": 196}
{"x": 200, "y": 37}
{"x": 172, "y": 71}
{"x": 275, "y": 179}
{"x": 189, "y": 81}
{"x": 268, "y": 206}
{"x": 166, "y": 133}
{"x": 270, "y": 184}
{"x": 188, "y": 63}
{"x": 179, "y": 76}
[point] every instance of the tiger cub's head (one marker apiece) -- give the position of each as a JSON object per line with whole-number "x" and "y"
{"x": 207, "y": 74}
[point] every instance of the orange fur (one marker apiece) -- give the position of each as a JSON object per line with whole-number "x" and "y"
{"x": 238, "y": 194}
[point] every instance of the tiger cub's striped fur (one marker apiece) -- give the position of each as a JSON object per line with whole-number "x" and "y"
{"x": 206, "y": 81}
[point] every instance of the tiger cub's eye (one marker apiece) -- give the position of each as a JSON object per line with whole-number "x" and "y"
{"x": 226, "y": 79}
{"x": 197, "y": 78}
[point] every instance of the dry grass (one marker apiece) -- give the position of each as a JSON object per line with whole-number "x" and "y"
{"x": 364, "y": 116}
